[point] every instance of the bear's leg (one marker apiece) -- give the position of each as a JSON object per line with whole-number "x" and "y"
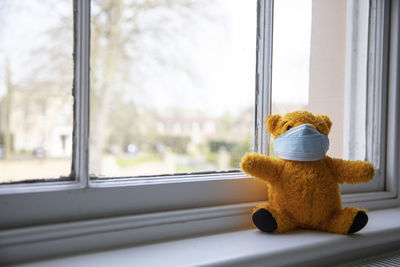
{"x": 268, "y": 219}
{"x": 346, "y": 221}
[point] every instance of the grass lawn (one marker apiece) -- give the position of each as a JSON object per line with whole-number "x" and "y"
{"x": 137, "y": 160}
{"x": 185, "y": 169}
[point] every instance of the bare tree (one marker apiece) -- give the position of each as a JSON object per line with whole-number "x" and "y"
{"x": 128, "y": 37}
{"x": 121, "y": 31}
{"x": 5, "y": 115}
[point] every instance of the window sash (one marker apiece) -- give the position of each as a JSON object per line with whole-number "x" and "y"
{"x": 263, "y": 73}
{"x": 87, "y": 199}
{"x": 377, "y": 96}
{"x": 392, "y": 183}
{"x": 39, "y": 203}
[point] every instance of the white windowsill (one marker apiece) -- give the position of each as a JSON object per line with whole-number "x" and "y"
{"x": 252, "y": 248}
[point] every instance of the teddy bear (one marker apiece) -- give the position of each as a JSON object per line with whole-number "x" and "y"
{"x": 303, "y": 183}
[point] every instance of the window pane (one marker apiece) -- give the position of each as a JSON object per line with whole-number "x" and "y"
{"x": 172, "y": 86}
{"x": 320, "y": 65}
{"x": 36, "y": 74}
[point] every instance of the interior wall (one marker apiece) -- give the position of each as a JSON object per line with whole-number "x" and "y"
{"x": 327, "y": 66}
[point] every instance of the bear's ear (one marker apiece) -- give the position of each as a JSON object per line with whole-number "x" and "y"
{"x": 327, "y": 121}
{"x": 272, "y": 122}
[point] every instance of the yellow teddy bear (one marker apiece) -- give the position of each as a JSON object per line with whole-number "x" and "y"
{"x": 303, "y": 183}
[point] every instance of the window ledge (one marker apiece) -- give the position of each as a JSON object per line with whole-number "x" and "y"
{"x": 253, "y": 248}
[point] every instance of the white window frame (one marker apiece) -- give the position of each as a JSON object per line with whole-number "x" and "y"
{"x": 377, "y": 88}
{"x": 381, "y": 104}
{"x": 44, "y": 218}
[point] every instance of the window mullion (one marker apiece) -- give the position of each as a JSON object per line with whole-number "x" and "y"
{"x": 80, "y": 165}
{"x": 263, "y": 73}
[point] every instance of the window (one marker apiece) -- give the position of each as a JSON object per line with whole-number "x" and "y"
{"x": 311, "y": 75}
{"x": 167, "y": 98}
{"x": 326, "y": 72}
{"x": 36, "y": 103}
{"x": 84, "y": 198}
{"x": 198, "y": 138}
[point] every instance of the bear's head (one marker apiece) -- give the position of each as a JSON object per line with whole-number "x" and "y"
{"x": 277, "y": 125}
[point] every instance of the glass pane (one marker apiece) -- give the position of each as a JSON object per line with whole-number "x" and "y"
{"x": 172, "y": 86}
{"x": 320, "y": 65}
{"x": 36, "y": 74}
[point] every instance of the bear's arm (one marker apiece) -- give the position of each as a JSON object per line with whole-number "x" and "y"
{"x": 262, "y": 167}
{"x": 351, "y": 171}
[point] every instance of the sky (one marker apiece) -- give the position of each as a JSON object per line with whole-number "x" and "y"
{"x": 225, "y": 60}
{"x": 221, "y": 56}
{"x": 24, "y": 26}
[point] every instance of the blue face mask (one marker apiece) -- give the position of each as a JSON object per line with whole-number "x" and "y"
{"x": 302, "y": 143}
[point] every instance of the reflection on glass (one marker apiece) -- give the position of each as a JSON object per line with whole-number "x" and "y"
{"x": 172, "y": 86}
{"x": 319, "y": 64}
{"x": 36, "y": 76}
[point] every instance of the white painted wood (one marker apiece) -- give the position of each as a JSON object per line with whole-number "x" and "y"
{"x": 126, "y": 197}
{"x": 377, "y": 89}
{"x": 372, "y": 200}
{"x": 80, "y": 155}
{"x": 263, "y": 73}
{"x": 357, "y": 21}
{"x": 115, "y": 231}
{"x": 353, "y": 199}
{"x": 75, "y": 237}
{"x": 393, "y": 132}
{"x": 253, "y": 248}
{"x": 123, "y": 223}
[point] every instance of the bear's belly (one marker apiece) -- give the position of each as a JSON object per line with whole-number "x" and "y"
{"x": 309, "y": 202}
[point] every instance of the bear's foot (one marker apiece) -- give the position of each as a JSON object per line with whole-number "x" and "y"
{"x": 264, "y": 220}
{"x": 360, "y": 220}
{"x": 268, "y": 219}
{"x": 346, "y": 221}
